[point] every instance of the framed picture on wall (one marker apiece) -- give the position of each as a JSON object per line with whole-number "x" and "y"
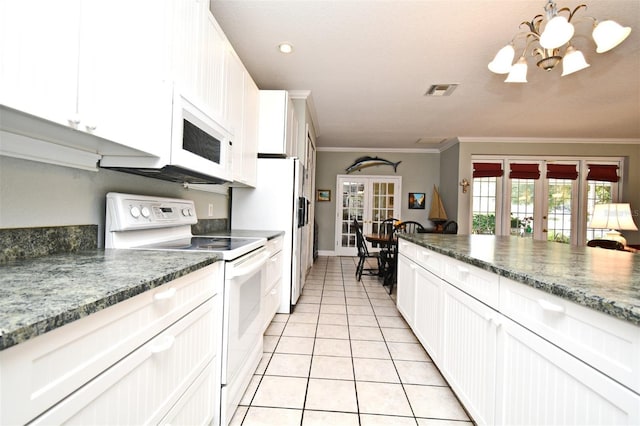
{"x": 324, "y": 195}
{"x": 416, "y": 200}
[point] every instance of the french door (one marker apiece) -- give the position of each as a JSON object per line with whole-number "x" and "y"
{"x": 543, "y": 207}
{"x": 367, "y": 199}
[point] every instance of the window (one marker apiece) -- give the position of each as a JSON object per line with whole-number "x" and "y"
{"x": 486, "y": 187}
{"x": 544, "y": 199}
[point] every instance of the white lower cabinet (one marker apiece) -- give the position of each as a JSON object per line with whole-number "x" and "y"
{"x": 540, "y": 384}
{"x": 272, "y": 286}
{"x": 468, "y": 358}
{"x": 143, "y": 386}
{"x": 518, "y": 359}
{"x": 127, "y": 364}
{"x": 428, "y": 312}
{"x": 406, "y": 293}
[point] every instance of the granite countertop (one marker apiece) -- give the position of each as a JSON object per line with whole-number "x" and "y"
{"x": 40, "y": 294}
{"x": 605, "y": 280}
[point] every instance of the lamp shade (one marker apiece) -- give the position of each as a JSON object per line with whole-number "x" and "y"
{"x": 573, "y": 61}
{"x": 608, "y": 34}
{"x": 501, "y": 64}
{"x": 557, "y": 32}
{"x": 518, "y": 73}
{"x": 613, "y": 216}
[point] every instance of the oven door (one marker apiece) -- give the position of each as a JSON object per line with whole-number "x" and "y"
{"x": 242, "y": 335}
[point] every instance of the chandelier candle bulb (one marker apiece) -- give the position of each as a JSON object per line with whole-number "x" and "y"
{"x": 573, "y": 61}
{"x": 501, "y": 64}
{"x": 518, "y": 72}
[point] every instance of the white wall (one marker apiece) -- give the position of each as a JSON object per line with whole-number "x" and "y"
{"x": 35, "y": 194}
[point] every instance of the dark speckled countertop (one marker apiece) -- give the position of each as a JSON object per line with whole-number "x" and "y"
{"x": 40, "y": 294}
{"x": 605, "y": 280}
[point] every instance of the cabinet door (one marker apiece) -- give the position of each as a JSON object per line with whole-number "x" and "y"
{"x": 539, "y": 383}
{"x": 39, "y": 57}
{"x": 250, "y": 131}
{"x": 124, "y": 89}
{"x": 406, "y": 289}
{"x": 188, "y": 17}
{"x": 428, "y": 311}
{"x": 235, "y": 92}
{"x": 212, "y": 79}
{"x": 468, "y": 359}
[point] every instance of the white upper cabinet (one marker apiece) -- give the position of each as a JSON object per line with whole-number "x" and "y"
{"x": 278, "y": 131}
{"x": 242, "y": 110}
{"x": 88, "y": 66}
{"x": 39, "y": 57}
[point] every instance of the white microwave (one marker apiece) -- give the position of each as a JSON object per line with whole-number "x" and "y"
{"x": 200, "y": 151}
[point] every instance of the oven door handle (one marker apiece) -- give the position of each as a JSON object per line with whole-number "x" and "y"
{"x": 249, "y": 267}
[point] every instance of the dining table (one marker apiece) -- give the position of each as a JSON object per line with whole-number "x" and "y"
{"x": 378, "y": 240}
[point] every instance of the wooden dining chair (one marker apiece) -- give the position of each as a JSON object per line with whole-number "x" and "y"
{"x": 364, "y": 255}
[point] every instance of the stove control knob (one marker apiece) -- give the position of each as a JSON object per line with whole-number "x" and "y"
{"x": 135, "y": 211}
{"x": 145, "y": 212}
{"x": 186, "y": 212}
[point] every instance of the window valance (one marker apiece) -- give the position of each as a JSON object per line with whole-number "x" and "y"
{"x": 481, "y": 170}
{"x": 524, "y": 171}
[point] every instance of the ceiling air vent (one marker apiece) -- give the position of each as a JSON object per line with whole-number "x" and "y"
{"x": 441, "y": 89}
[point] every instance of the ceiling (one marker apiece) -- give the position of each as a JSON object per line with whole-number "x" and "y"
{"x": 368, "y": 65}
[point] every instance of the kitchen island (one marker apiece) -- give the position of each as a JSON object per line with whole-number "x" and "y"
{"x": 527, "y": 331}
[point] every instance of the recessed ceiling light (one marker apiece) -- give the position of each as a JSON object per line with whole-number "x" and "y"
{"x": 285, "y": 47}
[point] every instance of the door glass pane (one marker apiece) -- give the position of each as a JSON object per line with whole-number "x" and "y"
{"x": 484, "y": 205}
{"x": 597, "y": 193}
{"x": 559, "y": 211}
{"x": 522, "y": 199}
{"x": 352, "y": 208}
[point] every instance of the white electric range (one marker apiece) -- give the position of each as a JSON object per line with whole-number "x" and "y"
{"x": 140, "y": 222}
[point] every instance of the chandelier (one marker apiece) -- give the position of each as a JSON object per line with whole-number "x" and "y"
{"x": 549, "y": 37}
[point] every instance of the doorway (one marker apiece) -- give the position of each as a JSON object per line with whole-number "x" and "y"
{"x": 367, "y": 199}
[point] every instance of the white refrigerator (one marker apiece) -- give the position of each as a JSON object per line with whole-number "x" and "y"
{"x": 277, "y": 203}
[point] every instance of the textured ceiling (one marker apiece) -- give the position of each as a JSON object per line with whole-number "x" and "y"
{"x": 368, "y": 65}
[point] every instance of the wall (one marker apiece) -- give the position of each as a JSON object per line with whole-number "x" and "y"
{"x": 35, "y": 194}
{"x": 419, "y": 171}
{"x": 630, "y": 184}
{"x": 449, "y": 180}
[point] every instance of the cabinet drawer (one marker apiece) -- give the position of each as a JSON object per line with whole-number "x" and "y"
{"x": 476, "y": 282}
{"x": 274, "y": 269}
{"x": 274, "y": 245}
{"x": 142, "y": 387}
{"x": 408, "y": 249}
{"x": 40, "y": 372}
{"x": 271, "y": 303}
{"x": 606, "y": 343}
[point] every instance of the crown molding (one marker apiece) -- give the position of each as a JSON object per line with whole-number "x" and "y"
{"x": 375, "y": 150}
{"x": 621, "y": 141}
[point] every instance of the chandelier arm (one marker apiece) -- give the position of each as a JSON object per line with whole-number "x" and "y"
{"x": 581, "y": 6}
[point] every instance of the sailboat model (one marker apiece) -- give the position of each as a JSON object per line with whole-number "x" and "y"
{"x": 437, "y": 214}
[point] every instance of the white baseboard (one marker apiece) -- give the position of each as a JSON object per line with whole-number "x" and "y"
{"x": 328, "y": 253}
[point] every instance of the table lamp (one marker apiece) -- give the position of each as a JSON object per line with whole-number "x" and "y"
{"x": 615, "y": 216}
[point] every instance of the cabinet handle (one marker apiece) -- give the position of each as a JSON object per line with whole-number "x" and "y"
{"x": 90, "y": 127}
{"x": 165, "y": 295}
{"x": 463, "y": 271}
{"x": 163, "y": 343}
{"x": 550, "y": 307}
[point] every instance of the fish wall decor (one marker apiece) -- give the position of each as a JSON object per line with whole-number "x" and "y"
{"x": 363, "y": 162}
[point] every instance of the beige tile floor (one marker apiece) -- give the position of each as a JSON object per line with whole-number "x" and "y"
{"x": 345, "y": 356}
